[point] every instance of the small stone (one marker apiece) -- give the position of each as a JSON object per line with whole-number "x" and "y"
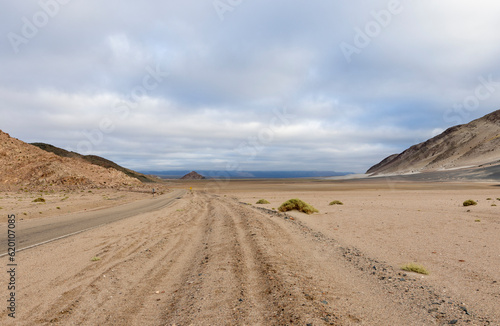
{"x": 453, "y": 322}
{"x": 464, "y": 309}
{"x": 324, "y": 302}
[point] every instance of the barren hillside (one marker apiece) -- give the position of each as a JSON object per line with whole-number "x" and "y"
{"x": 473, "y": 144}
{"x": 97, "y": 160}
{"x": 29, "y": 166}
{"x": 193, "y": 176}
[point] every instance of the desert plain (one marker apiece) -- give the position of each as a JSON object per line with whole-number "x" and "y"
{"x": 212, "y": 256}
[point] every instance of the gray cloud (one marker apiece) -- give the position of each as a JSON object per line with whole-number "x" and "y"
{"x": 169, "y": 85}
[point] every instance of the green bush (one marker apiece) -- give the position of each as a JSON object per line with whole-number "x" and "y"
{"x": 416, "y": 268}
{"x": 39, "y": 200}
{"x": 262, "y": 201}
{"x": 470, "y": 202}
{"x": 336, "y": 202}
{"x": 297, "y": 204}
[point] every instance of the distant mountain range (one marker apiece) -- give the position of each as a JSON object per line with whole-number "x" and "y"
{"x": 476, "y": 144}
{"x": 209, "y": 174}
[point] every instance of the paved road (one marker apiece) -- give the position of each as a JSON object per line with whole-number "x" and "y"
{"x": 32, "y": 232}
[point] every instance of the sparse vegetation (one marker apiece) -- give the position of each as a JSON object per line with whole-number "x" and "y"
{"x": 262, "y": 201}
{"x": 58, "y": 207}
{"x": 297, "y": 204}
{"x": 493, "y": 204}
{"x": 416, "y": 268}
{"x": 336, "y": 202}
{"x": 470, "y": 202}
{"x": 489, "y": 198}
{"x": 95, "y": 258}
{"x": 477, "y": 220}
{"x": 39, "y": 200}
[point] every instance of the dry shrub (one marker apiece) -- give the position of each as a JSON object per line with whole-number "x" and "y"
{"x": 297, "y": 204}
{"x": 416, "y": 268}
{"x": 470, "y": 202}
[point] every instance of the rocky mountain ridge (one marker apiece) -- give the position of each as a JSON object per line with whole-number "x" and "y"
{"x": 93, "y": 159}
{"x": 473, "y": 144}
{"x": 25, "y": 165}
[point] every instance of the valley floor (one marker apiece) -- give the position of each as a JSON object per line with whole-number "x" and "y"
{"x": 210, "y": 258}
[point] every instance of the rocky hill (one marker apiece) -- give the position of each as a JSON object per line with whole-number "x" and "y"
{"x": 193, "y": 176}
{"x": 93, "y": 159}
{"x": 473, "y": 144}
{"x": 28, "y": 166}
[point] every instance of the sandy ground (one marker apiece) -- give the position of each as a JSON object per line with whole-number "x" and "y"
{"x": 59, "y": 202}
{"x": 210, "y": 259}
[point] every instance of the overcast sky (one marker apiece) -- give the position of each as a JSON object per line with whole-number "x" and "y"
{"x": 240, "y": 84}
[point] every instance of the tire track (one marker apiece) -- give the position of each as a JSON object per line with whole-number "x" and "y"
{"x": 407, "y": 297}
{"x": 164, "y": 246}
{"x": 209, "y": 260}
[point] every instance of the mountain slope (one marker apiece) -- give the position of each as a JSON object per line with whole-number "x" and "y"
{"x": 29, "y": 166}
{"x": 93, "y": 159}
{"x": 193, "y": 176}
{"x": 473, "y": 144}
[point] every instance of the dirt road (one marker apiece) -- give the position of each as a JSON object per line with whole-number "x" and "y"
{"x": 210, "y": 260}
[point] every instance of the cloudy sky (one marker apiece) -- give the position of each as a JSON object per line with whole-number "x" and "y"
{"x": 240, "y": 84}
